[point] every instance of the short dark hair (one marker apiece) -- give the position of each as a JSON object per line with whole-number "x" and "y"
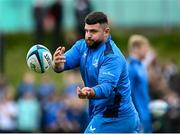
{"x": 96, "y": 17}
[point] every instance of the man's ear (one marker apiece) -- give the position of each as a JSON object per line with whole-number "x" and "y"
{"x": 106, "y": 31}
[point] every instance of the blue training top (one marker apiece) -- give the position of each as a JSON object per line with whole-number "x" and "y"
{"x": 105, "y": 70}
{"x": 139, "y": 87}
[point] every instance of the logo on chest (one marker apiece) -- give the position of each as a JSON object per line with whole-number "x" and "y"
{"x": 95, "y": 63}
{"x": 85, "y": 54}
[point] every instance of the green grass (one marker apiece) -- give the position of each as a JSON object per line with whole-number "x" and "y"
{"x": 17, "y": 45}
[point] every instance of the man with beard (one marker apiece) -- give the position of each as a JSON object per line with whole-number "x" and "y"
{"x": 104, "y": 72}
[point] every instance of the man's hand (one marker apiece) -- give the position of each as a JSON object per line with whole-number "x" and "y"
{"x": 85, "y": 93}
{"x": 59, "y": 59}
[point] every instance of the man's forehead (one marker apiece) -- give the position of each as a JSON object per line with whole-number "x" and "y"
{"x": 92, "y": 26}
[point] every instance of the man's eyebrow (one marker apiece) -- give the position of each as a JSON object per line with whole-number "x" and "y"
{"x": 90, "y": 29}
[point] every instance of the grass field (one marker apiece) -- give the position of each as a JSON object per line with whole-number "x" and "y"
{"x": 17, "y": 45}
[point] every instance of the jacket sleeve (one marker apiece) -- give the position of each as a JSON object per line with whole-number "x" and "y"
{"x": 73, "y": 56}
{"x": 109, "y": 75}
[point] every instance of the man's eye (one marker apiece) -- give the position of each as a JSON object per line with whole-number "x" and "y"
{"x": 93, "y": 31}
{"x": 90, "y": 31}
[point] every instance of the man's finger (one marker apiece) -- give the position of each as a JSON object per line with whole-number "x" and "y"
{"x": 59, "y": 61}
{"x": 62, "y": 50}
{"x": 62, "y": 57}
{"x": 78, "y": 90}
{"x": 57, "y": 53}
{"x": 59, "y": 48}
{"x": 58, "y": 58}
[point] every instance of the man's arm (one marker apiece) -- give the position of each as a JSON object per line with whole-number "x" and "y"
{"x": 69, "y": 60}
{"x": 109, "y": 75}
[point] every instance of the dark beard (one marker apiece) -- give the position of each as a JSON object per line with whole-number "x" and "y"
{"x": 95, "y": 45}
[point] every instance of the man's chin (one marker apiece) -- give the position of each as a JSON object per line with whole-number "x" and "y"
{"x": 93, "y": 44}
{"x": 89, "y": 43}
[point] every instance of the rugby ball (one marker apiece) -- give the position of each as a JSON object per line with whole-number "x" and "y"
{"x": 39, "y": 58}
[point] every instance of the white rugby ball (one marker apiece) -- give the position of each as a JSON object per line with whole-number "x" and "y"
{"x": 39, "y": 58}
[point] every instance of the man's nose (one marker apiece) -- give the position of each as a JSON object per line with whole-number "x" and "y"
{"x": 88, "y": 34}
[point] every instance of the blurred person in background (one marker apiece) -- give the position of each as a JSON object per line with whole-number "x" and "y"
{"x": 138, "y": 47}
{"x": 104, "y": 71}
{"x": 175, "y": 82}
{"x": 157, "y": 83}
{"x": 77, "y": 114}
{"x": 172, "y": 123}
{"x": 27, "y": 84}
{"x": 164, "y": 87}
{"x": 81, "y": 9}
{"x": 8, "y": 112}
{"x": 46, "y": 88}
{"x": 38, "y": 15}
{"x": 29, "y": 113}
{"x": 50, "y": 115}
{"x": 76, "y": 111}
{"x": 64, "y": 124}
{"x": 72, "y": 81}
{"x": 73, "y": 116}
{"x": 56, "y": 12}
